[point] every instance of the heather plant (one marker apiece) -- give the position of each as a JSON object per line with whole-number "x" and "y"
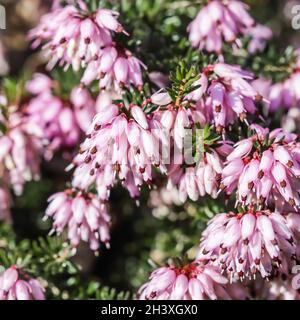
{"x": 151, "y": 152}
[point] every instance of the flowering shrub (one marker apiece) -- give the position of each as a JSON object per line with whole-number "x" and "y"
{"x": 89, "y": 119}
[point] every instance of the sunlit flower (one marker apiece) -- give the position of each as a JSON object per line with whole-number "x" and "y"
{"x": 264, "y": 168}
{"x": 220, "y": 21}
{"x": 249, "y": 243}
{"x": 194, "y": 281}
{"x": 76, "y": 37}
{"x": 82, "y": 215}
{"x": 14, "y": 287}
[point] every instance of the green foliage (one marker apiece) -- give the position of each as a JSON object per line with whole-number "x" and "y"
{"x": 183, "y": 80}
{"x": 13, "y": 90}
{"x": 210, "y": 138}
{"x": 157, "y": 29}
{"x": 65, "y": 82}
{"x": 44, "y": 256}
{"x": 95, "y": 291}
{"x": 50, "y": 260}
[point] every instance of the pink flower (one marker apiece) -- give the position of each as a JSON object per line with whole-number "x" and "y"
{"x": 22, "y": 146}
{"x": 79, "y": 38}
{"x": 61, "y": 121}
{"x": 260, "y": 35}
{"x": 82, "y": 214}
{"x": 264, "y": 168}
{"x": 12, "y": 287}
{"x": 291, "y": 120}
{"x": 161, "y": 98}
{"x": 249, "y": 243}
{"x": 193, "y": 174}
{"x": 194, "y": 281}
{"x": 220, "y": 21}
{"x": 284, "y": 94}
{"x": 122, "y": 144}
{"x": 159, "y": 79}
{"x": 197, "y": 181}
{"x": 293, "y": 220}
{"x": 40, "y": 84}
{"x": 84, "y": 107}
{"x": 5, "y": 205}
{"x": 71, "y": 36}
{"x": 115, "y": 69}
{"x": 177, "y": 120}
{"x": 225, "y": 94}
{"x": 57, "y": 120}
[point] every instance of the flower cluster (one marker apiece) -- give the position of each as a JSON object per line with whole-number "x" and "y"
{"x": 196, "y": 181}
{"x": 259, "y": 35}
{"x": 12, "y": 287}
{"x": 201, "y": 134}
{"x": 74, "y": 36}
{"x": 178, "y": 122}
{"x": 225, "y": 21}
{"x": 124, "y": 144}
{"x": 225, "y": 94}
{"x": 194, "y": 281}
{"x": 264, "y": 168}
{"x": 22, "y": 145}
{"x": 61, "y": 122}
{"x": 284, "y": 95}
{"x": 82, "y": 214}
{"x": 5, "y": 204}
{"x": 249, "y": 243}
{"x": 115, "y": 68}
